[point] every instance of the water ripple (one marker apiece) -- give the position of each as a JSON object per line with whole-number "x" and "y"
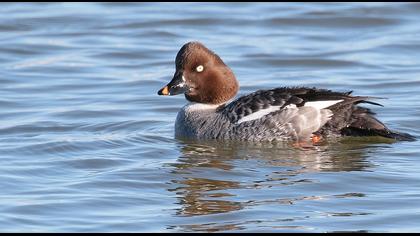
{"x": 86, "y": 144}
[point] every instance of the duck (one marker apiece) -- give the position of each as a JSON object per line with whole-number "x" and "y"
{"x": 278, "y": 114}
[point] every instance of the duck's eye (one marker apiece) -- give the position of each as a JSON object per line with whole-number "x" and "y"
{"x": 199, "y": 68}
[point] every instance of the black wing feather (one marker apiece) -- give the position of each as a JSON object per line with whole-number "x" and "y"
{"x": 282, "y": 97}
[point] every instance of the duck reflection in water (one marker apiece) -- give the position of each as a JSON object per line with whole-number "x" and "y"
{"x": 209, "y": 176}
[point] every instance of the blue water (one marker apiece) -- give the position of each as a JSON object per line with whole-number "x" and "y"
{"x": 86, "y": 144}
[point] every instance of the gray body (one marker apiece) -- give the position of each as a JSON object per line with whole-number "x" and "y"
{"x": 200, "y": 121}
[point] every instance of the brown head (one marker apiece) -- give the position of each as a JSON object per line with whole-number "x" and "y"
{"x": 202, "y": 76}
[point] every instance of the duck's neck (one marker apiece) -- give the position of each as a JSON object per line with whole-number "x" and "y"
{"x": 195, "y": 106}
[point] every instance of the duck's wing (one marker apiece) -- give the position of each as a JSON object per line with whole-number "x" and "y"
{"x": 264, "y": 102}
{"x": 290, "y": 112}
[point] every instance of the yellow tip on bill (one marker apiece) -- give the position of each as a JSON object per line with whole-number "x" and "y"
{"x": 165, "y": 90}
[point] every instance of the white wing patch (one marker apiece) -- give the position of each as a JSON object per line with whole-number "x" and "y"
{"x": 259, "y": 114}
{"x": 318, "y": 105}
{"x": 322, "y": 104}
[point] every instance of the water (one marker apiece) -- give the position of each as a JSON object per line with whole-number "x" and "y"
{"x": 87, "y": 145}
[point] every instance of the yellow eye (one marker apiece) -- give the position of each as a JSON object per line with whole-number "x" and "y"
{"x": 199, "y": 68}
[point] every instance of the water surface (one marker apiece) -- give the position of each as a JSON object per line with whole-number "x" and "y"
{"x": 86, "y": 145}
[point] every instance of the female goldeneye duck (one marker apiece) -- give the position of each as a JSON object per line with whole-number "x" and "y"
{"x": 297, "y": 113}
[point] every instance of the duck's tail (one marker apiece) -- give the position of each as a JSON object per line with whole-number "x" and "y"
{"x": 399, "y": 136}
{"x": 365, "y": 124}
